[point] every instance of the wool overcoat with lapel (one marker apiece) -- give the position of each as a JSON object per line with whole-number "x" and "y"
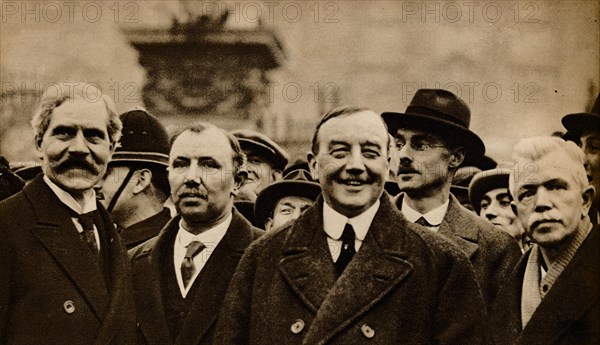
{"x": 148, "y": 260}
{"x": 52, "y": 289}
{"x": 569, "y": 314}
{"x": 493, "y": 253}
{"x": 404, "y": 286}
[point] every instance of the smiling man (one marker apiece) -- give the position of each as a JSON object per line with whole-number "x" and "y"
{"x": 351, "y": 269}
{"x": 181, "y": 276}
{"x": 552, "y": 296}
{"x": 64, "y": 275}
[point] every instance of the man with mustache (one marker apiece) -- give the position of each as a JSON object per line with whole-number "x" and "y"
{"x": 351, "y": 269}
{"x": 432, "y": 140}
{"x": 552, "y": 295}
{"x": 180, "y": 277}
{"x": 64, "y": 274}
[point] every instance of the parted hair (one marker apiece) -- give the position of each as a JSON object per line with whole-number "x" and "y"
{"x": 62, "y": 92}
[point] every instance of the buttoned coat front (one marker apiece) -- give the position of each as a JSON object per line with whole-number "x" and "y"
{"x": 493, "y": 253}
{"x": 569, "y": 314}
{"x": 404, "y": 286}
{"x": 52, "y": 291}
{"x": 149, "y": 259}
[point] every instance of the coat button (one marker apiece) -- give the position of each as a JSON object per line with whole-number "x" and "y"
{"x": 367, "y": 331}
{"x": 297, "y": 326}
{"x": 69, "y": 307}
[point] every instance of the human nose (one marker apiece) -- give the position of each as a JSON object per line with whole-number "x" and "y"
{"x": 355, "y": 161}
{"x": 78, "y": 144}
{"x": 193, "y": 174}
{"x": 542, "y": 200}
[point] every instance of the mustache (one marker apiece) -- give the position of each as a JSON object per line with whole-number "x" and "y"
{"x": 367, "y": 179}
{"x": 72, "y": 163}
{"x": 194, "y": 193}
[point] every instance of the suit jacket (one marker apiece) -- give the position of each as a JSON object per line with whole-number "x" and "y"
{"x": 404, "y": 286}
{"x": 569, "y": 313}
{"x": 198, "y": 327}
{"x": 492, "y": 252}
{"x": 140, "y": 232}
{"x": 52, "y": 291}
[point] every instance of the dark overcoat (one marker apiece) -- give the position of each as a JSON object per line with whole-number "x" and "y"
{"x": 493, "y": 253}
{"x": 144, "y": 230}
{"x": 404, "y": 286}
{"x": 52, "y": 291}
{"x": 149, "y": 259}
{"x": 569, "y": 314}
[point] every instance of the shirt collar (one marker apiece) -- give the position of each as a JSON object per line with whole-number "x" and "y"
{"x": 89, "y": 198}
{"x": 209, "y": 237}
{"x": 433, "y": 217}
{"x": 334, "y": 222}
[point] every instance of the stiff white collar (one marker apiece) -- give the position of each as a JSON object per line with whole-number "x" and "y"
{"x": 334, "y": 222}
{"x": 89, "y": 198}
{"x": 433, "y": 217}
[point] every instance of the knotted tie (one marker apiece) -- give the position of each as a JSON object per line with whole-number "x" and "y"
{"x": 348, "y": 250}
{"x": 187, "y": 265}
{"x": 422, "y": 221}
{"x": 87, "y": 223}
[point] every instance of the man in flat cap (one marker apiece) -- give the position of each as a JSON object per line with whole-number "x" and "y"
{"x": 432, "y": 140}
{"x": 586, "y": 127}
{"x": 136, "y": 186}
{"x": 284, "y": 201}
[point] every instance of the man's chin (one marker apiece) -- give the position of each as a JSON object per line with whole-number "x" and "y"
{"x": 74, "y": 185}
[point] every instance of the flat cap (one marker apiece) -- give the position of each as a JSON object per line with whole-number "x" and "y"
{"x": 262, "y": 145}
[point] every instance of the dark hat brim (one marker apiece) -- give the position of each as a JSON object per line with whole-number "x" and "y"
{"x": 473, "y": 145}
{"x": 140, "y": 157}
{"x": 277, "y": 160}
{"x": 270, "y": 196}
{"x": 581, "y": 122}
{"x": 486, "y": 182}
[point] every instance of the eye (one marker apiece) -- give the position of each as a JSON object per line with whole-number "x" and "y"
{"x": 525, "y": 195}
{"x": 180, "y": 163}
{"x": 399, "y": 144}
{"x": 339, "y": 153}
{"x": 64, "y": 132}
{"x": 484, "y": 205}
{"x": 421, "y": 145}
{"x": 94, "y": 135}
{"x": 370, "y": 154}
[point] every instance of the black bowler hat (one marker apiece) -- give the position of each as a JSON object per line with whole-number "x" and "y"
{"x": 295, "y": 183}
{"x": 577, "y": 123}
{"x": 442, "y": 112}
{"x": 486, "y": 181}
{"x": 262, "y": 145}
{"x": 144, "y": 139}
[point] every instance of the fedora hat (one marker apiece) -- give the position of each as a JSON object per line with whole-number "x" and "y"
{"x": 443, "y": 113}
{"x": 295, "y": 183}
{"x": 144, "y": 139}
{"x": 486, "y": 181}
{"x": 579, "y": 122}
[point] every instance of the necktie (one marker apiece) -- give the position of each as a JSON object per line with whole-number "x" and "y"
{"x": 87, "y": 223}
{"x": 187, "y": 265}
{"x": 348, "y": 251}
{"x": 422, "y": 221}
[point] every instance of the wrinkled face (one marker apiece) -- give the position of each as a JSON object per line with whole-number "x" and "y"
{"x": 549, "y": 201}
{"x": 352, "y": 162}
{"x": 495, "y": 207}
{"x": 423, "y": 161}
{"x": 590, "y": 143}
{"x": 260, "y": 175}
{"x": 114, "y": 177}
{"x": 201, "y": 176}
{"x": 76, "y": 148}
{"x": 288, "y": 208}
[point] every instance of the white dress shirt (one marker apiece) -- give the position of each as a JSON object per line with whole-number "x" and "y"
{"x": 89, "y": 205}
{"x": 334, "y": 223}
{"x": 433, "y": 217}
{"x": 210, "y": 238}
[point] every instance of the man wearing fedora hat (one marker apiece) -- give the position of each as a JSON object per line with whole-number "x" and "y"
{"x": 285, "y": 200}
{"x": 432, "y": 140}
{"x": 586, "y": 127}
{"x": 136, "y": 186}
{"x": 489, "y": 195}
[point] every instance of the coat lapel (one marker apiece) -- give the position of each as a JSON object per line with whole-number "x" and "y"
{"x": 459, "y": 228}
{"x": 306, "y": 263}
{"x": 378, "y": 267}
{"x": 214, "y": 280}
{"x": 146, "y": 278}
{"x": 574, "y": 292}
{"x": 59, "y": 236}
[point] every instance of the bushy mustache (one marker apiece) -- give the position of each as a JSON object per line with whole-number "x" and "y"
{"x": 73, "y": 163}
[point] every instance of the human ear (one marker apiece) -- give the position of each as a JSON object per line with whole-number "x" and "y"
{"x": 457, "y": 157}
{"x": 312, "y": 164}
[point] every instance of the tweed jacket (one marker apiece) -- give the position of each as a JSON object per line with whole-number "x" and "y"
{"x": 569, "y": 314}
{"x": 404, "y": 286}
{"x": 52, "y": 291}
{"x": 493, "y": 253}
{"x": 147, "y": 262}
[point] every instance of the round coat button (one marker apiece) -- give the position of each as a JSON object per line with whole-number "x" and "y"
{"x": 69, "y": 307}
{"x": 367, "y": 331}
{"x": 297, "y": 326}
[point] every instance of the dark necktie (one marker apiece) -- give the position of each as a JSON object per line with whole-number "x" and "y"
{"x": 348, "y": 251}
{"x": 87, "y": 223}
{"x": 187, "y": 265}
{"x": 422, "y": 221}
